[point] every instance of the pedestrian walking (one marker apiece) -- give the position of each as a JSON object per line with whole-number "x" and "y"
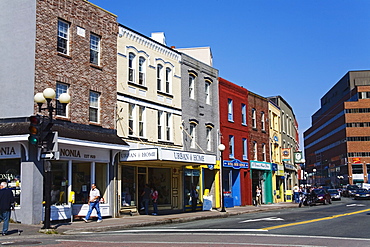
{"x": 258, "y": 196}
{"x": 6, "y": 205}
{"x": 194, "y": 198}
{"x": 154, "y": 195}
{"x": 94, "y": 200}
{"x": 146, "y": 197}
{"x": 296, "y": 193}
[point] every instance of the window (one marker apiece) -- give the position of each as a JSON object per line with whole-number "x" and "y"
{"x": 263, "y": 121}
{"x": 255, "y": 157}
{"x": 160, "y": 124}
{"x": 192, "y": 87}
{"x": 142, "y": 71}
{"x": 230, "y": 116}
{"x": 94, "y": 107}
{"x": 131, "y": 67}
{"x": 263, "y": 152}
{"x": 63, "y": 37}
{"x": 159, "y": 77}
{"x": 94, "y": 49}
{"x": 231, "y": 147}
{"x": 254, "y": 121}
{"x": 168, "y": 80}
{"x": 208, "y": 92}
{"x": 131, "y": 118}
{"x": 245, "y": 148}
{"x": 244, "y": 114}
{"x": 168, "y": 126}
{"x": 60, "y": 109}
{"x": 209, "y": 138}
{"x": 192, "y": 135}
{"x": 141, "y": 120}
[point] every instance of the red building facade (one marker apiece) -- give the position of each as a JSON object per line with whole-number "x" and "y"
{"x": 233, "y": 103}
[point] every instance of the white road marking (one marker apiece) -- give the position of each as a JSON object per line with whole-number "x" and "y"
{"x": 355, "y": 205}
{"x": 262, "y": 219}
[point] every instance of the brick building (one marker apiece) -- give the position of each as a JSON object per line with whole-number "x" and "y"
{"x": 234, "y": 120}
{"x": 337, "y": 143}
{"x": 67, "y": 46}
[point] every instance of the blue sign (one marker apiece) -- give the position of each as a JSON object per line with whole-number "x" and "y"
{"x": 236, "y": 164}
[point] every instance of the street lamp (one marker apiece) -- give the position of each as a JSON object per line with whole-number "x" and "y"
{"x": 40, "y": 98}
{"x": 221, "y": 148}
{"x": 314, "y": 173}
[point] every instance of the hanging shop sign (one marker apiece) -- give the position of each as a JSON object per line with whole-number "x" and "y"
{"x": 236, "y": 164}
{"x": 260, "y": 165}
{"x": 286, "y": 154}
{"x": 10, "y": 151}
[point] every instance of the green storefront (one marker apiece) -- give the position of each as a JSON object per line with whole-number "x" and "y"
{"x": 261, "y": 173}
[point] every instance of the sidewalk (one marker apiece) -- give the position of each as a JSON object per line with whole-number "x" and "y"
{"x": 124, "y": 222}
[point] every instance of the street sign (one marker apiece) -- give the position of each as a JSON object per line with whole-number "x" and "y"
{"x": 50, "y": 156}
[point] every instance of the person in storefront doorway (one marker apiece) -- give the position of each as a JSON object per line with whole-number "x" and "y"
{"x": 146, "y": 197}
{"x": 6, "y": 205}
{"x": 194, "y": 198}
{"x": 296, "y": 193}
{"x": 94, "y": 200}
{"x": 154, "y": 196}
{"x": 258, "y": 196}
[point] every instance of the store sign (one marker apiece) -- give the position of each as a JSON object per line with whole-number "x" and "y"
{"x": 260, "y": 165}
{"x": 70, "y": 152}
{"x": 139, "y": 154}
{"x": 286, "y": 154}
{"x": 289, "y": 167}
{"x": 236, "y": 164}
{"x": 10, "y": 151}
{"x": 187, "y": 157}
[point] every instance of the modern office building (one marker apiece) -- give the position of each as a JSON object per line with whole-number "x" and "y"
{"x": 337, "y": 143}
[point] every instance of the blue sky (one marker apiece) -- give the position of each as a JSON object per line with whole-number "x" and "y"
{"x": 294, "y": 48}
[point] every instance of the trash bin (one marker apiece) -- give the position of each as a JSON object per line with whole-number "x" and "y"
{"x": 228, "y": 199}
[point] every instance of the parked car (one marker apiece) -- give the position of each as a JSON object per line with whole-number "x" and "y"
{"x": 350, "y": 190}
{"x": 334, "y": 194}
{"x": 321, "y": 196}
{"x": 361, "y": 194}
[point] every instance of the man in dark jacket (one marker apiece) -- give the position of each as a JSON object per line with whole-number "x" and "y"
{"x": 6, "y": 204}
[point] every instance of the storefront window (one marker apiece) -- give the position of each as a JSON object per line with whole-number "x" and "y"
{"x": 160, "y": 178}
{"x": 191, "y": 179}
{"x": 101, "y": 179}
{"x": 10, "y": 172}
{"x": 81, "y": 178}
{"x": 128, "y": 186}
{"x": 59, "y": 189}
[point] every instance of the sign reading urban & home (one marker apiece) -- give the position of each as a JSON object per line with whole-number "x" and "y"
{"x": 139, "y": 154}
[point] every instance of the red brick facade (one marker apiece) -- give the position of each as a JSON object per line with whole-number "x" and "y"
{"x": 75, "y": 69}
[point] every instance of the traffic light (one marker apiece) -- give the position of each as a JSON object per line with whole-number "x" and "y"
{"x": 35, "y": 129}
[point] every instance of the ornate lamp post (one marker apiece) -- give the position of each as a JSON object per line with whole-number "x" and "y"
{"x": 40, "y": 98}
{"x": 221, "y": 148}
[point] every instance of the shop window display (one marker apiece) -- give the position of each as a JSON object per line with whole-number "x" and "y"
{"x": 81, "y": 178}
{"x": 59, "y": 189}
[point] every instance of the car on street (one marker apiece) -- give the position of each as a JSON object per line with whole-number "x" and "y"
{"x": 350, "y": 190}
{"x": 334, "y": 194}
{"x": 321, "y": 196}
{"x": 361, "y": 194}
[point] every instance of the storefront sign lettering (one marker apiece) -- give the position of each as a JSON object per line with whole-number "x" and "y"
{"x": 7, "y": 151}
{"x": 188, "y": 157}
{"x": 260, "y": 165}
{"x": 70, "y": 153}
{"x": 6, "y": 176}
{"x": 144, "y": 154}
{"x": 198, "y": 158}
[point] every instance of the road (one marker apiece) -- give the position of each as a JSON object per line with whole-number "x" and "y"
{"x": 343, "y": 223}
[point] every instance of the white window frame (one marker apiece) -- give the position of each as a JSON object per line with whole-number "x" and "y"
{"x": 245, "y": 148}
{"x": 160, "y": 125}
{"x": 142, "y": 71}
{"x": 244, "y": 114}
{"x": 207, "y": 90}
{"x": 168, "y": 126}
{"x": 159, "y": 77}
{"x": 230, "y": 111}
{"x": 255, "y": 151}
{"x": 94, "y": 106}
{"x": 131, "y": 67}
{"x": 264, "y": 152}
{"x": 191, "y": 86}
{"x": 192, "y": 133}
{"x": 168, "y": 80}
{"x": 209, "y": 138}
{"x": 61, "y": 88}
{"x": 94, "y": 49}
{"x": 63, "y": 37}
{"x": 263, "y": 123}
{"x": 141, "y": 121}
{"x": 131, "y": 119}
{"x": 231, "y": 146}
{"x": 254, "y": 120}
